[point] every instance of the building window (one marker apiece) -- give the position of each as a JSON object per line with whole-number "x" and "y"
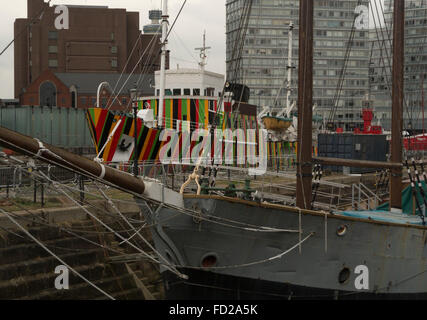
{"x": 114, "y": 63}
{"x": 112, "y": 36}
{"x": 104, "y": 102}
{"x": 53, "y": 49}
{"x": 124, "y": 101}
{"x": 187, "y": 92}
{"x": 53, "y": 35}
{"x": 176, "y": 92}
{"x": 113, "y": 49}
{"x": 47, "y": 94}
{"x": 74, "y": 99}
{"x": 83, "y": 101}
{"x": 53, "y": 63}
{"x": 196, "y": 92}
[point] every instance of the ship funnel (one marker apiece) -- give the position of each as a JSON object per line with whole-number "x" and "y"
{"x": 155, "y": 27}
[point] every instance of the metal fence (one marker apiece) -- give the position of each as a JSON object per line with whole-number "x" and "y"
{"x": 63, "y": 127}
{"x": 18, "y": 176}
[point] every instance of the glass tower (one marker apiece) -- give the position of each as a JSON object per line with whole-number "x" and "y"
{"x": 415, "y": 64}
{"x": 264, "y": 60}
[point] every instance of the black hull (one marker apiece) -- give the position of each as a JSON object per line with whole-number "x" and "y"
{"x": 211, "y": 286}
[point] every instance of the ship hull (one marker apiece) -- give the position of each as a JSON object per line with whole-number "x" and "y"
{"x": 307, "y": 258}
{"x": 417, "y": 143}
{"x": 213, "y": 287}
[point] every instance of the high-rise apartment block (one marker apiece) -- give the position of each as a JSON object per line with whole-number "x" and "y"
{"x": 415, "y": 63}
{"x": 265, "y": 54}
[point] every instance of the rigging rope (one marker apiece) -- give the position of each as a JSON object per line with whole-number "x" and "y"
{"x": 343, "y": 71}
{"x": 33, "y": 20}
{"x": 53, "y": 254}
{"x": 383, "y": 48}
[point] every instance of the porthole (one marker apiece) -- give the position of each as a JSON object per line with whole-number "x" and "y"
{"x": 344, "y": 276}
{"x": 342, "y": 231}
{"x": 209, "y": 261}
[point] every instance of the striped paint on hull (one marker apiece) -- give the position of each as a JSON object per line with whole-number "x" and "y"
{"x": 199, "y": 112}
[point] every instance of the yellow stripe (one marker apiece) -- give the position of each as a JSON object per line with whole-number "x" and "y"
{"x": 108, "y": 148}
{"x": 144, "y": 148}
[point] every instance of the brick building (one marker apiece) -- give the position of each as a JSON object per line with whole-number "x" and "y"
{"x": 79, "y": 90}
{"x": 99, "y": 41}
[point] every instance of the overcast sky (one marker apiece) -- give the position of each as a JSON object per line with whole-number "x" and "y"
{"x": 197, "y": 16}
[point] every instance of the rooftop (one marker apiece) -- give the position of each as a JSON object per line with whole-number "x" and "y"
{"x": 89, "y": 82}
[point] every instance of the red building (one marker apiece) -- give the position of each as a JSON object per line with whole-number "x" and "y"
{"x": 79, "y": 90}
{"x": 99, "y": 41}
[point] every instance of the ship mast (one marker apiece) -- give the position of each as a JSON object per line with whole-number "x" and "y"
{"x": 305, "y": 106}
{"x": 165, "y": 24}
{"x": 290, "y": 46}
{"x": 422, "y": 100}
{"x": 397, "y": 104}
{"x": 203, "y": 55}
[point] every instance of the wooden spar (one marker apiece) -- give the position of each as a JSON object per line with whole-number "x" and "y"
{"x": 357, "y": 163}
{"x": 305, "y": 106}
{"x": 397, "y": 103}
{"x": 56, "y": 156}
{"x": 422, "y": 101}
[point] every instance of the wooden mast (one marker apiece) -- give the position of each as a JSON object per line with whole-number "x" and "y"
{"x": 305, "y": 105}
{"x": 56, "y": 156}
{"x": 397, "y": 103}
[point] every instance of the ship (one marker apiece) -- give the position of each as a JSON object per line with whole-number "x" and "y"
{"x": 224, "y": 242}
{"x": 241, "y": 244}
{"x": 416, "y": 143}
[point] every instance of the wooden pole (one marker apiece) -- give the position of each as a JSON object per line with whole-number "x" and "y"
{"x": 422, "y": 101}
{"x": 397, "y": 103}
{"x": 135, "y": 150}
{"x": 305, "y": 105}
{"x": 357, "y": 163}
{"x": 56, "y": 156}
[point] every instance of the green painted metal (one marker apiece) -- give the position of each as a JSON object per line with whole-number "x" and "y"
{"x": 62, "y": 127}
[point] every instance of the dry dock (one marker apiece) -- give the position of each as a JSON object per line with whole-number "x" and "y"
{"x": 27, "y": 271}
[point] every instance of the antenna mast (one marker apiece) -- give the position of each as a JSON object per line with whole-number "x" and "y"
{"x": 165, "y": 24}
{"x": 203, "y": 55}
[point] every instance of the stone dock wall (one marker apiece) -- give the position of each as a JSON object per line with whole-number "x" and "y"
{"x": 27, "y": 271}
